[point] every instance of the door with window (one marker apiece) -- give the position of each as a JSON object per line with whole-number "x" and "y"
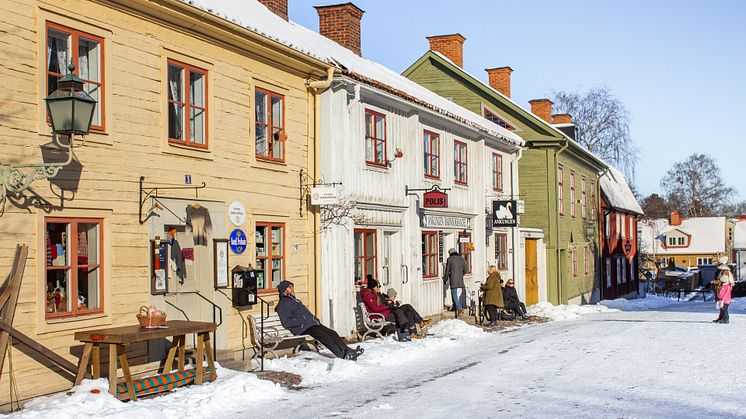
{"x": 532, "y": 273}
{"x": 392, "y": 271}
{"x": 365, "y": 243}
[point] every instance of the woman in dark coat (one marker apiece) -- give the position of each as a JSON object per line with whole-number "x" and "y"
{"x": 493, "y": 294}
{"x": 511, "y": 300}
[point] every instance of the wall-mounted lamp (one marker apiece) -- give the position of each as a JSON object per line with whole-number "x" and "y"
{"x": 397, "y": 155}
{"x": 70, "y": 110}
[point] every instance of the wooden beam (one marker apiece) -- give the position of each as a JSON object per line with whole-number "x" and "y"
{"x": 38, "y": 347}
{"x": 9, "y": 297}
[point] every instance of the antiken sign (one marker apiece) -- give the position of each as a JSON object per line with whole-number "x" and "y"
{"x": 435, "y": 199}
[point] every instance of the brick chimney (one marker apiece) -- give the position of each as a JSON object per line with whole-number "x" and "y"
{"x": 542, "y": 108}
{"x": 452, "y": 46}
{"x": 278, "y": 7}
{"x": 499, "y": 79}
{"x": 675, "y": 218}
{"x": 341, "y": 24}
{"x": 561, "y": 118}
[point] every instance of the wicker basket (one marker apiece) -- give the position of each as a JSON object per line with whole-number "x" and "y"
{"x": 150, "y": 320}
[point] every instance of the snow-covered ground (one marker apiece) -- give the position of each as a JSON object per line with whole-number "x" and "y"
{"x": 651, "y": 357}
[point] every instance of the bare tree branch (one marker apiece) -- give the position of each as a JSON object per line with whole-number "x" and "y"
{"x": 694, "y": 187}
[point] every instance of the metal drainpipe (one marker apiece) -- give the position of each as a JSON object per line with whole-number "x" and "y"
{"x": 599, "y": 233}
{"x": 513, "y": 187}
{"x": 557, "y": 230}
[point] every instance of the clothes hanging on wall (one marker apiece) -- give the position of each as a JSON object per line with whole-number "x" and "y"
{"x": 177, "y": 260}
{"x": 198, "y": 221}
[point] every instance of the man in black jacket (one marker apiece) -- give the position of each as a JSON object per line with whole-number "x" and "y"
{"x": 295, "y": 317}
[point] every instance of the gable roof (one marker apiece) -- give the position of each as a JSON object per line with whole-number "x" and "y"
{"x": 255, "y": 17}
{"x": 618, "y": 193}
{"x": 707, "y": 236}
{"x": 542, "y": 126}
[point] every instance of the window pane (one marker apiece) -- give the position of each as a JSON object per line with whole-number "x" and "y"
{"x": 260, "y": 274}
{"x": 277, "y": 145}
{"x": 88, "y": 288}
{"x": 260, "y": 107}
{"x": 261, "y": 249}
{"x": 262, "y": 145}
{"x": 276, "y": 272}
{"x": 380, "y": 131}
{"x": 277, "y": 241}
{"x": 88, "y": 246}
{"x": 369, "y": 144}
{"x": 57, "y": 291}
{"x": 277, "y": 112}
{"x": 369, "y": 129}
{"x": 370, "y": 244}
{"x": 58, "y": 244}
{"x": 434, "y": 169}
{"x": 197, "y": 125}
{"x": 175, "y": 85}
{"x": 94, "y": 90}
{"x": 58, "y": 47}
{"x": 380, "y": 151}
{"x": 197, "y": 88}
{"x": 358, "y": 244}
{"x": 176, "y": 121}
{"x": 370, "y": 266}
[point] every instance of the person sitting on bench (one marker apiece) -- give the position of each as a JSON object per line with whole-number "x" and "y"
{"x": 371, "y": 297}
{"x": 389, "y": 299}
{"x": 512, "y": 302}
{"x": 295, "y": 317}
{"x": 493, "y": 295}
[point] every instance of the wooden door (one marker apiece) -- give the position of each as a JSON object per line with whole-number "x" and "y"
{"x": 532, "y": 273}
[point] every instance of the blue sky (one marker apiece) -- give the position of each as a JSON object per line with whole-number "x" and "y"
{"x": 679, "y": 66}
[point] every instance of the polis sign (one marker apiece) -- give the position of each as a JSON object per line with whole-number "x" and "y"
{"x": 435, "y": 199}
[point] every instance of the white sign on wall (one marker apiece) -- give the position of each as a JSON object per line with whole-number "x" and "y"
{"x": 324, "y": 195}
{"x": 237, "y": 213}
{"x": 445, "y": 221}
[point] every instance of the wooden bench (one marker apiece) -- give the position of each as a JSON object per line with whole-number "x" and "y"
{"x": 275, "y": 337}
{"x": 118, "y": 337}
{"x": 702, "y": 291}
{"x": 369, "y": 323}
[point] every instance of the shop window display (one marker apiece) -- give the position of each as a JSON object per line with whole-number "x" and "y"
{"x": 270, "y": 255}
{"x": 73, "y": 267}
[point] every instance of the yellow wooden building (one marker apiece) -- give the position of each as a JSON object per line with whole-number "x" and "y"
{"x": 185, "y": 98}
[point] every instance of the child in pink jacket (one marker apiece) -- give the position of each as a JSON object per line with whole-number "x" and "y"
{"x": 726, "y": 277}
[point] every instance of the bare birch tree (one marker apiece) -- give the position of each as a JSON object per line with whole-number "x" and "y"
{"x": 603, "y": 125}
{"x": 694, "y": 187}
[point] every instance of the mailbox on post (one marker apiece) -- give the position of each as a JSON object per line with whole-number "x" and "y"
{"x": 244, "y": 286}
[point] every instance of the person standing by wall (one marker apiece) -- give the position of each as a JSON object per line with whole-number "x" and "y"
{"x": 454, "y": 275}
{"x": 493, "y": 295}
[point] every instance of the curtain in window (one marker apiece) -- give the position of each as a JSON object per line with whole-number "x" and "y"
{"x": 175, "y": 129}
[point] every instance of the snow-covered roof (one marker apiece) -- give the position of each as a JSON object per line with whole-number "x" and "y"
{"x": 739, "y": 234}
{"x": 255, "y": 17}
{"x": 618, "y": 193}
{"x": 707, "y": 236}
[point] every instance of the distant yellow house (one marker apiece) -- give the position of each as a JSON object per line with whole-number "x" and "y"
{"x": 215, "y": 115}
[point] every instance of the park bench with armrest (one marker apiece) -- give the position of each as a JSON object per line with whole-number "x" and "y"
{"x": 275, "y": 337}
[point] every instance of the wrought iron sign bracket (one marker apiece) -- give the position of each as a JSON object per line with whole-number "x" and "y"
{"x": 408, "y": 191}
{"x": 146, "y": 193}
{"x": 306, "y": 183}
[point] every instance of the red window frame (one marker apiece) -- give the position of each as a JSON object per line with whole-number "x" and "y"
{"x": 583, "y": 198}
{"x": 187, "y": 103}
{"x": 430, "y": 251}
{"x": 269, "y": 128}
{"x": 501, "y": 251}
{"x": 365, "y": 257}
{"x": 464, "y": 250}
{"x": 593, "y": 201}
{"x": 492, "y": 117}
{"x": 457, "y": 163}
{"x": 561, "y": 189}
{"x": 574, "y": 256}
{"x": 375, "y": 138}
{"x": 74, "y": 54}
{"x": 74, "y": 265}
{"x": 497, "y": 172}
{"x": 269, "y": 256}
{"x": 432, "y": 144}
{"x": 572, "y": 194}
{"x": 587, "y": 260}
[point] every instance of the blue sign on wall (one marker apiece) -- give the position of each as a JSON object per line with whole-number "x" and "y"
{"x": 238, "y": 241}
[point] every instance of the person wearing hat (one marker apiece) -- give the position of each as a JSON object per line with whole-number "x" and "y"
{"x": 454, "y": 276}
{"x": 726, "y": 288}
{"x": 372, "y": 298}
{"x": 413, "y": 317}
{"x": 295, "y": 317}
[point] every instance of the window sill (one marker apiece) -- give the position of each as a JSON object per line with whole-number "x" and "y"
{"x": 376, "y": 168}
{"x": 186, "y": 151}
{"x": 70, "y": 323}
{"x": 275, "y": 166}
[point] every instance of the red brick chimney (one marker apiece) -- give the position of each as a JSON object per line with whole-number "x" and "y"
{"x": 561, "y": 118}
{"x": 452, "y": 46}
{"x": 341, "y": 24}
{"x": 499, "y": 79}
{"x": 542, "y": 108}
{"x": 675, "y": 218}
{"x": 279, "y": 7}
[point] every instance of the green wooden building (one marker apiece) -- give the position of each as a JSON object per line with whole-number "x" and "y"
{"x": 558, "y": 178}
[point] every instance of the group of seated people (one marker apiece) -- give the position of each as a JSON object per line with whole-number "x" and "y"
{"x": 500, "y": 296}
{"x": 404, "y": 316}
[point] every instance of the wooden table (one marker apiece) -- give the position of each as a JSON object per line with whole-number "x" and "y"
{"x": 118, "y": 337}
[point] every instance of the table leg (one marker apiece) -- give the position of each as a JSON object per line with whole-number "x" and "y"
{"x": 171, "y": 354}
{"x": 210, "y": 360}
{"x": 182, "y": 351}
{"x": 96, "y": 361}
{"x": 113, "y": 369}
{"x": 126, "y": 372}
{"x": 83, "y": 363}
{"x": 200, "y": 357}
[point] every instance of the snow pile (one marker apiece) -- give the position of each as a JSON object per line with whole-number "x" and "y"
{"x": 651, "y": 302}
{"x": 737, "y": 304}
{"x": 565, "y": 312}
{"x": 232, "y": 392}
{"x": 316, "y": 369}
{"x": 454, "y": 328}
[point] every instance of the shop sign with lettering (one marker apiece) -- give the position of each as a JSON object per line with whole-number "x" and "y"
{"x": 504, "y": 214}
{"x": 435, "y": 199}
{"x": 445, "y": 221}
{"x": 324, "y": 195}
{"x": 238, "y": 241}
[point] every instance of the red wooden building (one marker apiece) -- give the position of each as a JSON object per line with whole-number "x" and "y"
{"x": 620, "y": 213}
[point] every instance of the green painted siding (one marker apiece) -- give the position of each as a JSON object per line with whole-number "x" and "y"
{"x": 537, "y": 178}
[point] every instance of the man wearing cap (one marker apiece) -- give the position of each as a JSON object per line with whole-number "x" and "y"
{"x": 405, "y": 316}
{"x": 454, "y": 274}
{"x": 295, "y": 317}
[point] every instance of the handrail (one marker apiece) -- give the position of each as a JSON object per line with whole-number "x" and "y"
{"x": 214, "y": 306}
{"x": 261, "y": 329}
{"x": 194, "y": 342}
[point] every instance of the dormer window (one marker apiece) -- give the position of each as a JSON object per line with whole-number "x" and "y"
{"x": 672, "y": 241}
{"x": 681, "y": 241}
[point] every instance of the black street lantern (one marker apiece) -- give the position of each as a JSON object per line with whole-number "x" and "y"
{"x": 70, "y": 108}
